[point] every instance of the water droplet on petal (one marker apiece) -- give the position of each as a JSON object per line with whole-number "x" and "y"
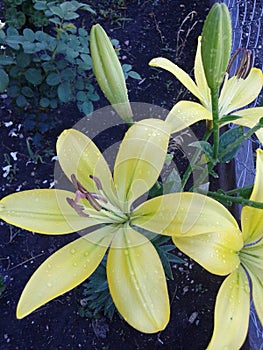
{"x": 73, "y": 251}
{"x": 49, "y": 284}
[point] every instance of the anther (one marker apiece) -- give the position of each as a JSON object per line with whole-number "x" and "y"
{"x": 97, "y": 182}
{"x": 78, "y": 208}
{"x": 245, "y": 64}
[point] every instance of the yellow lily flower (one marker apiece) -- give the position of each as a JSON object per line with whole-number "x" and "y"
{"x": 235, "y": 94}
{"x": 206, "y": 231}
{"x": 135, "y": 274}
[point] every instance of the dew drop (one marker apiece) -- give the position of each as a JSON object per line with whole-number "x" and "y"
{"x": 49, "y": 284}
{"x": 73, "y": 251}
{"x": 75, "y": 264}
{"x": 86, "y": 253}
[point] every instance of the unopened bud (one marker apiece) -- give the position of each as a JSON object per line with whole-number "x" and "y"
{"x": 216, "y": 44}
{"x": 109, "y": 73}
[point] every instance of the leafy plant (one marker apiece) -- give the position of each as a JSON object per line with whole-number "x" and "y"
{"x": 47, "y": 69}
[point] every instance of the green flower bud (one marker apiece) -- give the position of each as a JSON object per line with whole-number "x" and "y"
{"x": 216, "y": 44}
{"x": 109, "y": 73}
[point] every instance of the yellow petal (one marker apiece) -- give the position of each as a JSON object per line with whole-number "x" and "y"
{"x": 137, "y": 282}
{"x": 78, "y": 155}
{"x": 200, "y": 77}
{"x": 64, "y": 270}
{"x": 237, "y": 93}
{"x": 185, "y": 214}
{"x": 250, "y": 117}
{"x": 231, "y": 313}
{"x": 179, "y": 73}
{"x": 43, "y": 211}
{"x": 140, "y": 159}
{"x": 216, "y": 251}
{"x": 252, "y": 259}
{"x": 252, "y": 218}
{"x": 186, "y": 113}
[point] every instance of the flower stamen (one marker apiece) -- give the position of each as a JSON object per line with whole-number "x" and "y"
{"x": 78, "y": 208}
{"x": 245, "y": 63}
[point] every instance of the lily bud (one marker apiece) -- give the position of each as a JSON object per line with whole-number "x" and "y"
{"x": 109, "y": 73}
{"x": 216, "y": 44}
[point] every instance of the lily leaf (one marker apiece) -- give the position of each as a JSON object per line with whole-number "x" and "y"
{"x": 225, "y": 143}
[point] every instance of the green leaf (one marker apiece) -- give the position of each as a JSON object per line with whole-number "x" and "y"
{"x": 53, "y": 103}
{"x": 86, "y": 107}
{"x": 44, "y": 102}
{"x": 56, "y": 10}
{"x": 53, "y": 79}
{"x": 40, "y": 5}
{"x": 29, "y": 47}
{"x": 21, "y": 101}
{"x": 29, "y": 34}
{"x": 23, "y": 60}
{"x": 226, "y": 141}
{"x": 81, "y": 96}
{"x": 64, "y": 92}
{"x": 13, "y": 91}
{"x": 228, "y": 119}
{"x": 134, "y": 75}
{"x": 204, "y": 146}
{"x": 27, "y": 91}
{"x": 68, "y": 16}
{"x": 6, "y": 60}
{"x": 172, "y": 183}
{"x": 4, "y": 80}
{"x": 34, "y": 76}
{"x": 68, "y": 74}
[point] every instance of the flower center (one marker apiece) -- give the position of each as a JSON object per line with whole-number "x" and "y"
{"x": 97, "y": 200}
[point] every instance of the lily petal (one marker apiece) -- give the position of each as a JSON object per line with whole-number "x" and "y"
{"x": 43, "y": 211}
{"x": 200, "y": 227}
{"x": 252, "y": 257}
{"x": 64, "y": 270}
{"x": 140, "y": 159}
{"x": 231, "y": 312}
{"x": 78, "y": 155}
{"x": 137, "y": 282}
{"x": 179, "y": 73}
{"x": 185, "y": 214}
{"x": 186, "y": 113}
{"x": 200, "y": 77}
{"x": 237, "y": 93}
{"x": 250, "y": 117}
{"x": 212, "y": 250}
{"x": 251, "y": 218}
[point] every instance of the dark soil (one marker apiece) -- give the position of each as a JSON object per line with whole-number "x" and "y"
{"x": 152, "y": 31}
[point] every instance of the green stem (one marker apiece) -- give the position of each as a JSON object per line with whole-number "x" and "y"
{"x": 189, "y": 169}
{"x": 240, "y": 200}
{"x": 215, "y": 112}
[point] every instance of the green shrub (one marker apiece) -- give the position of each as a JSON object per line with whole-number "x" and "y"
{"x": 46, "y": 69}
